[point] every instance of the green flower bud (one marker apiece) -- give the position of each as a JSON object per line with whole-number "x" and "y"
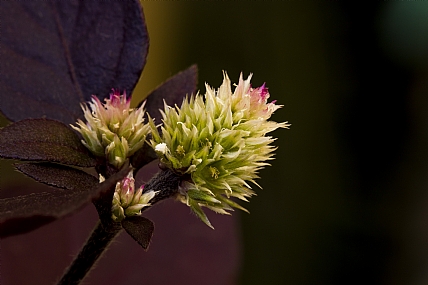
{"x": 220, "y": 140}
{"x": 128, "y": 202}
{"x": 113, "y": 130}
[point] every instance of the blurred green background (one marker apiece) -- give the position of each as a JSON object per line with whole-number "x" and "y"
{"x": 346, "y": 200}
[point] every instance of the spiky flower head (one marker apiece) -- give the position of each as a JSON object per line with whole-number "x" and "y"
{"x": 219, "y": 140}
{"x": 126, "y": 201}
{"x": 113, "y": 130}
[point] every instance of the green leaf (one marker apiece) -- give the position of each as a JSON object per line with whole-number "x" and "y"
{"x": 202, "y": 197}
{"x": 140, "y": 229}
{"x": 44, "y": 140}
{"x": 194, "y": 206}
{"x": 231, "y": 203}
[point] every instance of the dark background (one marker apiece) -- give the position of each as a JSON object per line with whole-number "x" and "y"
{"x": 346, "y": 200}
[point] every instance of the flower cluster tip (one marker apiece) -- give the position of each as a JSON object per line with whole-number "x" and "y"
{"x": 219, "y": 140}
{"x": 113, "y": 130}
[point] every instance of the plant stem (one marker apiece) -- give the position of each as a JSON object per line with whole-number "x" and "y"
{"x": 165, "y": 182}
{"x": 99, "y": 240}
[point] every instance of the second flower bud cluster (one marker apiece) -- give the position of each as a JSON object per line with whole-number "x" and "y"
{"x": 113, "y": 130}
{"x": 127, "y": 201}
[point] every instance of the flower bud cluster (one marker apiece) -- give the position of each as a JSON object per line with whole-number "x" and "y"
{"x": 128, "y": 202}
{"x": 113, "y": 130}
{"x": 220, "y": 141}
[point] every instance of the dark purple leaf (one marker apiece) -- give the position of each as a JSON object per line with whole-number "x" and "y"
{"x": 172, "y": 91}
{"x": 143, "y": 156}
{"x": 25, "y": 213}
{"x": 44, "y": 140}
{"x": 140, "y": 229}
{"x": 59, "y": 176}
{"x": 56, "y": 54}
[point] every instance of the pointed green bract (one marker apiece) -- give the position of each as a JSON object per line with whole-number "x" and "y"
{"x": 220, "y": 141}
{"x": 113, "y": 130}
